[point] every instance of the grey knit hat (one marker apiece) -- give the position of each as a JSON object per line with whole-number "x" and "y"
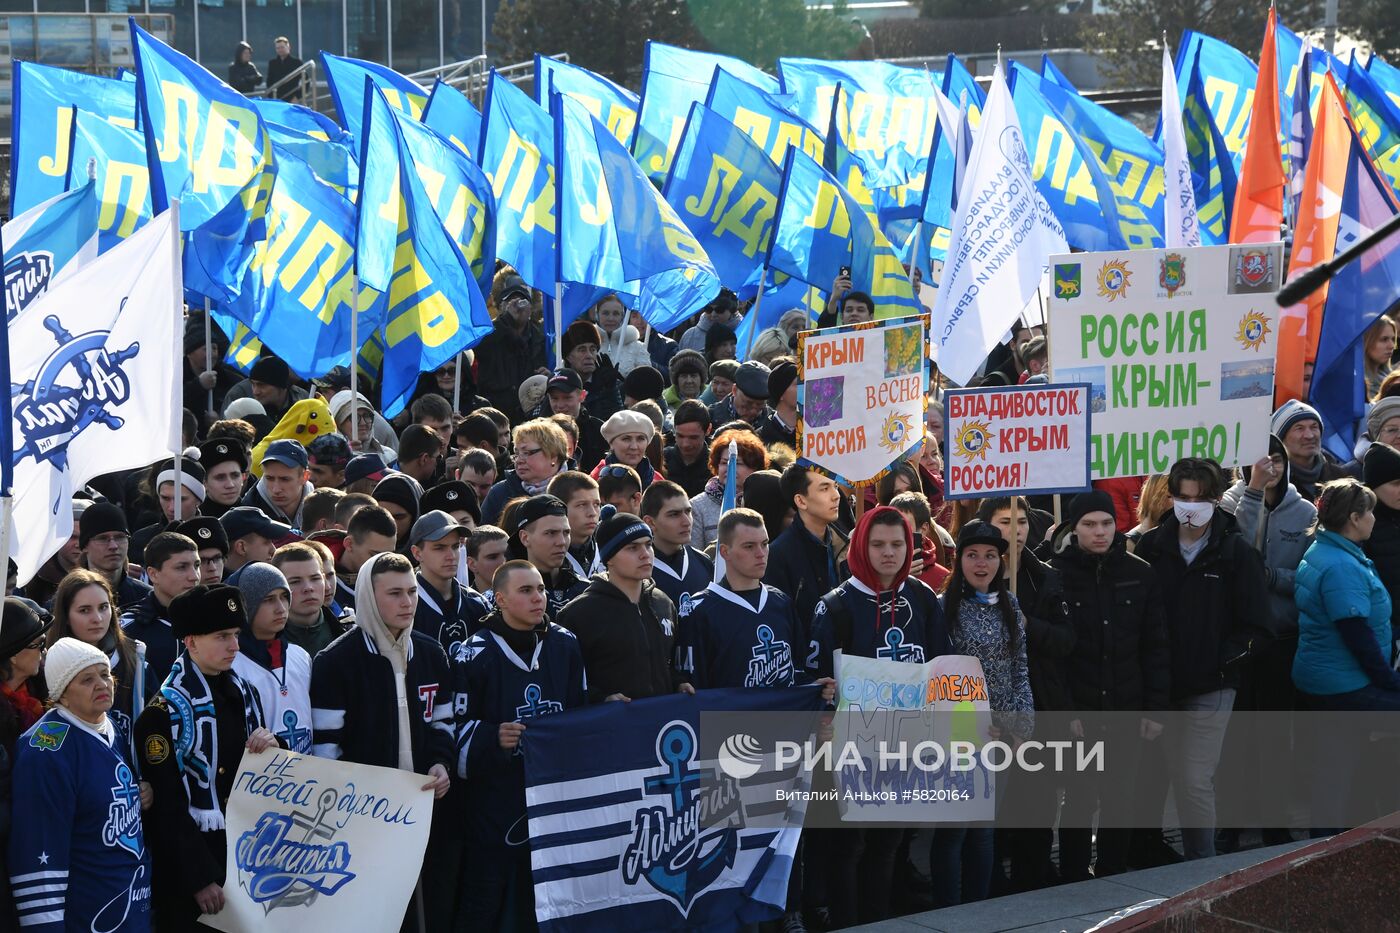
{"x": 257, "y": 580}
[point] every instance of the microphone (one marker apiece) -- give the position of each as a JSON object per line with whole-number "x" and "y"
{"x": 1300, "y": 287}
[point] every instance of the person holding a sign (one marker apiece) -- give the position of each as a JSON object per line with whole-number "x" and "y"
{"x": 985, "y": 621}
{"x": 1216, "y": 603}
{"x": 518, "y": 667}
{"x": 383, "y": 694}
{"x": 1299, "y": 425}
{"x": 880, "y": 611}
{"x": 1120, "y": 662}
{"x": 190, "y": 739}
{"x": 77, "y": 855}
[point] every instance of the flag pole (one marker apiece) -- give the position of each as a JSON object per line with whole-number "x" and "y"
{"x": 559, "y": 324}
{"x": 1015, "y": 546}
{"x": 354, "y": 350}
{"x": 457, "y": 383}
{"x": 208, "y": 348}
{"x": 178, "y": 435}
{"x": 753, "y": 312}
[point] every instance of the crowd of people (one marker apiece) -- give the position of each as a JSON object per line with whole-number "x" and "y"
{"x": 522, "y": 540}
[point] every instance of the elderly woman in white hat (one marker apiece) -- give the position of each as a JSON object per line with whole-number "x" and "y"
{"x": 627, "y": 434}
{"x": 78, "y": 807}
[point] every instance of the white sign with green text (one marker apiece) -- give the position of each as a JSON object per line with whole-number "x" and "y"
{"x": 1178, "y": 347}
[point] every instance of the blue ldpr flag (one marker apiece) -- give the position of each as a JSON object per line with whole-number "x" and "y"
{"x": 1132, "y": 164}
{"x": 346, "y": 78}
{"x": 611, "y": 104}
{"x": 298, "y": 292}
{"x": 655, "y": 862}
{"x": 1386, "y": 76}
{"x": 122, "y": 172}
{"x": 1361, "y": 292}
{"x": 1377, "y": 119}
{"x": 1071, "y": 179}
{"x": 517, "y": 154}
{"x": 767, "y": 118}
{"x": 205, "y": 141}
{"x": 1229, "y": 77}
{"x": 460, "y": 194}
{"x": 454, "y": 117}
{"x": 40, "y": 123}
{"x": 1212, "y": 169}
{"x": 673, "y": 79}
{"x": 652, "y": 255}
{"x": 435, "y": 309}
{"x": 885, "y": 114}
{"x": 820, "y": 227}
{"x": 725, "y": 189}
{"x": 296, "y": 117}
{"x": 957, "y": 80}
{"x": 205, "y": 145}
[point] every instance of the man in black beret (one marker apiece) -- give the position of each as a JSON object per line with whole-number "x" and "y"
{"x": 212, "y": 715}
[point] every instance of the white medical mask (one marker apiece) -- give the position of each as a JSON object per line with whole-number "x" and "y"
{"x": 1194, "y": 514}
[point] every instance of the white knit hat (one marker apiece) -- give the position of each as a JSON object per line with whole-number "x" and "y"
{"x": 65, "y": 660}
{"x": 627, "y": 422}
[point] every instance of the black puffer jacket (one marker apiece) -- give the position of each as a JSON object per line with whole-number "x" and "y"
{"x": 1050, "y": 636}
{"x": 1213, "y": 608}
{"x": 627, "y": 648}
{"x": 1121, "y": 659}
{"x": 1383, "y": 547}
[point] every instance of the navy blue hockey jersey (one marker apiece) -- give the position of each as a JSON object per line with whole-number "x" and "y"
{"x": 451, "y": 617}
{"x": 685, "y": 572}
{"x": 78, "y": 859}
{"x": 727, "y": 641}
{"x": 502, "y": 687}
{"x": 903, "y": 625}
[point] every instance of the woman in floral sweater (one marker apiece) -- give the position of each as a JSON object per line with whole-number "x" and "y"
{"x": 983, "y": 621}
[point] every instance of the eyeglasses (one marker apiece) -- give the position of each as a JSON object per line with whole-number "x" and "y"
{"x": 522, "y": 454}
{"x": 615, "y": 471}
{"x": 38, "y": 645}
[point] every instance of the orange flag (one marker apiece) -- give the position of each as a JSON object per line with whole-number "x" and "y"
{"x": 1258, "y": 214}
{"x": 1314, "y": 241}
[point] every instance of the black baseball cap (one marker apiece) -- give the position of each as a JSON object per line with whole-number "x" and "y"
{"x": 565, "y": 380}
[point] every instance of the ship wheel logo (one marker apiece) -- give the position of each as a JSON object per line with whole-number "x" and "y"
{"x": 74, "y": 388}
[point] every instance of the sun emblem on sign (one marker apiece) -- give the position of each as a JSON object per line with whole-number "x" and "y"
{"x": 973, "y": 440}
{"x": 894, "y": 434}
{"x": 1254, "y": 330}
{"x": 1113, "y": 279}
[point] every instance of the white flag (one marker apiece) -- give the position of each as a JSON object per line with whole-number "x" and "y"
{"x": 1003, "y": 236}
{"x": 1181, "y": 226}
{"x": 94, "y": 382}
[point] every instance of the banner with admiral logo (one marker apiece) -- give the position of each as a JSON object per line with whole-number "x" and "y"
{"x": 90, "y": 362}
{"x": 47, "y": 243}
{"x": 658, "y": 833}
{"x": 860, "y": 397}
{"x": 911, "y": 737}
{"x": 1178, "y": 348}
{"x": 1016, "y": 441}
{"x": 317, "y": 844}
